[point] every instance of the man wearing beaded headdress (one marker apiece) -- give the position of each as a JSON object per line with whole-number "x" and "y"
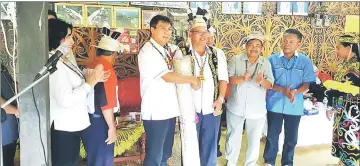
{"x": 344, "y": 97}
{"x": 209, "y": 65}
{"x": 100, "y": 136}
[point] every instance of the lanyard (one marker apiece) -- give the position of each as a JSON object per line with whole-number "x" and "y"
{"x": 256, "y": 68}
{"x": 166, "y": 58}
{"x": 201, "y": 75}
{"x": 286, "y": 66}
{"x": 74, "y": 68}
{"x": 197, "y": 61}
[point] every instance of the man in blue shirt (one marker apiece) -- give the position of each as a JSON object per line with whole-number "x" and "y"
{"x": 293, "y": 72}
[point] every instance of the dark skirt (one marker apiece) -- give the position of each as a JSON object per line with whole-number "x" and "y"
{"x": 346, "y": 135}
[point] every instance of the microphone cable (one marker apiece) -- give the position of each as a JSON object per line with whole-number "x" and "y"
{"x": 39, "y": 122}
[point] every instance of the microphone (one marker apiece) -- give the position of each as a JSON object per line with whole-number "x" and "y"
{"x": 60, "y": 51}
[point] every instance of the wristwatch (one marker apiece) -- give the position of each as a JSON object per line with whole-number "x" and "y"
{"x": 221, "y": 99}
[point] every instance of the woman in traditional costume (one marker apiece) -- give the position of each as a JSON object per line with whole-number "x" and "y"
{"x": 343, "y": 95}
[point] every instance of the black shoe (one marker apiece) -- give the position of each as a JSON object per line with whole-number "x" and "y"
{"x": 219, "y": 153}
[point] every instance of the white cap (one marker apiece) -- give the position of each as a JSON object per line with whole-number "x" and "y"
{"x": 255, "y": 35}
{"x": 198, "y": 22}
{"x": 110, "y": 44}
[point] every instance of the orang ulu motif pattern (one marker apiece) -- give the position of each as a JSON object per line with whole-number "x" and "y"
{"x": 319, "y": 44}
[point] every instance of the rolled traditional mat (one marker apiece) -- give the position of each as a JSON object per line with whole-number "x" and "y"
{"x": 189, "y": 140}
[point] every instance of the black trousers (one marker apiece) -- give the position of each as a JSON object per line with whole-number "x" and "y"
{"x": 223, "y": 119}
{"x": 9, "y": 151}
{"x": 65, "y": 147}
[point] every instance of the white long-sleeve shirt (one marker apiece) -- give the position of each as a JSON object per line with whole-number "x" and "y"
{"x": 68, "y": 99}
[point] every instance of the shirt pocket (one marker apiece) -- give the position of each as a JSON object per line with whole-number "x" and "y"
{"x": 239, "y": 68}
{"x": 297, "y": 76}
{"x": 279, "y": 75}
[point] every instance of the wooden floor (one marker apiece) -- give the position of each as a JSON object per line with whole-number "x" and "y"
{"x": 318, "y": 155}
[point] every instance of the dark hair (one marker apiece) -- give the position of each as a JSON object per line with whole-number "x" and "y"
{"x": 58, "y": 30}
{"x": 156, "y": 19}
{"x": 52, "y": 13}
{"x": 355, "y": 47}
{"x": 295, "y": 32}
{"x": 102, "y": 52}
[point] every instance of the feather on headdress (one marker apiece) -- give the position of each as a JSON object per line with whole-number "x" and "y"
{"x": 200, "y": 19}
{"x": 110, "y": 42}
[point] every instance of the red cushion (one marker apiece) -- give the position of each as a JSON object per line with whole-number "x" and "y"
{"x": 129, "y": 92}
{"x": 324, "y": 77}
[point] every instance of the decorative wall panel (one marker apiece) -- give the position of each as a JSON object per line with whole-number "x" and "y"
{"x": 5, "y": 58}
{"x": 319, "y": 44}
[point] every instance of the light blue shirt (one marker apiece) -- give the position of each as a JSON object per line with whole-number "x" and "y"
{"x": 289, "y": 72}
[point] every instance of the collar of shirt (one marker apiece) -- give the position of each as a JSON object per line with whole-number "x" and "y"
{"x": 282, "y": 54}
{"x": 157, "y": 45}
{"x": 207, "y": 50}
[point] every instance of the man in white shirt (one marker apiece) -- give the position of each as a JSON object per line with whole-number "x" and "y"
{"x": 159, "y": 105}
{"x": 210, "y": 66}
{"x": 250, "y": 76}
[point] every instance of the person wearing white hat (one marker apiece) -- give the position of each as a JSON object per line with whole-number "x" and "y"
{"x": 100, "y": 136}
{"x": 211, "y": 68}
{"x": 159, "y": 101}
{"x": 250, "y": 76}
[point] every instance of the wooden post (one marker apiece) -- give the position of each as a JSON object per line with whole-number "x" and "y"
{"x": 33, "y": 52}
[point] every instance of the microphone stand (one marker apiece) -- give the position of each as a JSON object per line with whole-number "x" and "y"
{"x": 51, "y": 69}
{"x": 38, "y": 78}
